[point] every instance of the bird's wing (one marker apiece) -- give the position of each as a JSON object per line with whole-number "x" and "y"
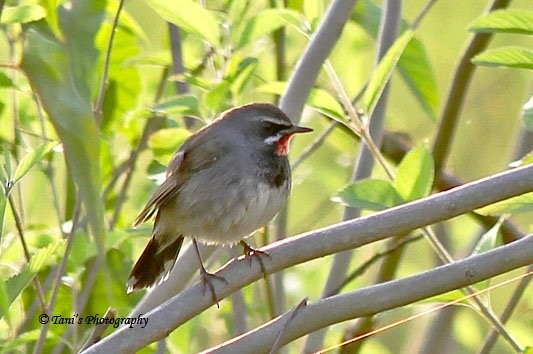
{"x": 194, "y": 156}
{"x": 164, "y": 192}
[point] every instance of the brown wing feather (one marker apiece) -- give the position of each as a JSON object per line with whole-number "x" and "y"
{"x": 194, "y": 155}
{"x": 164, "y": 192}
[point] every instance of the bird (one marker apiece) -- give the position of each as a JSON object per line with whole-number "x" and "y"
{"x": 227, "y": 180}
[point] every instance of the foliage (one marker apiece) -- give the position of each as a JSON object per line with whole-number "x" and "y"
{"x": 87, "y": 126}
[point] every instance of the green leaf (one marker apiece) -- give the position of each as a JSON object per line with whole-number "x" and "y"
{"x": 29, "y": 160}
{"x": 263, "y": 23}
{"x": 382, "y": 73}
{"x": 450, "y": 296}
{"x": 505, "y": 21}
{"x": 64, "y": 96}
{"x": 17, "y": 345}
{"x": 369, "y": 194}
{"x": 216, "y": 97}
{"x": 3, "y": 204}
{"x": 43, "y": 257}
{"x": 527, "y": 113}
{"x": 489, "y": 240}
{"x": 319, "y": 99}
{"x": 189, "y": 16}
{"x": 324, "y": 102}
{"x": 22, "y": 14}
{"x": 517, "y": 205}
{"x": 507, "y": 57}
{"x": 124, "y": 83}
{"x": 79, "y": 39}
{"x": 414, "y": 65}
{"x": 188, "y": 105}
{"x": 5, "y": 81}
{"x": 414, "y": 177}
{"x": 4, "y": 302}
{"x": 313, "y": 11}
{"x": 243, "y": 74}
{"x": 167, "y": 140}
{"x": 415, "y": 69}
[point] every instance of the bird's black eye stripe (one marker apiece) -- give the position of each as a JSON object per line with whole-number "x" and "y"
{"x": 271, "y": 127}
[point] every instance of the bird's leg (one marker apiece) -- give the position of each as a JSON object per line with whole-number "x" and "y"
{"x": 250, "y": 252}
{"x": 206, "y": 276}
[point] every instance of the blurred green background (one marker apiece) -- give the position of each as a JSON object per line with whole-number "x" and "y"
{"x": 486, "y": 139}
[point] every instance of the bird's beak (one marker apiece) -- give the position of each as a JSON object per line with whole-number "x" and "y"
{"x": 296, "y": 129}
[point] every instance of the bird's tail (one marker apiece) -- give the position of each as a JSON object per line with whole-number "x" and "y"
{"x": 154, "y": 264}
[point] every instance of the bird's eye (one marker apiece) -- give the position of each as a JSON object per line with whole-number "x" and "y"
{"x": 268, "y": 126}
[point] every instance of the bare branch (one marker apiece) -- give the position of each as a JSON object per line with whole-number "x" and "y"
{"x": 349, "y": 235}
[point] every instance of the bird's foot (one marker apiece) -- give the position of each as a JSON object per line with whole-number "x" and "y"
{"x": 250, "y": 252}
{"x": 207, "y": 281}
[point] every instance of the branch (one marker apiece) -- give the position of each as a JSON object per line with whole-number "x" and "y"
{"x": 337, "y": 238}
{"x": 385, "y": 296}
{"x": 306, "y": 71}
{"x": 458, "y": 90}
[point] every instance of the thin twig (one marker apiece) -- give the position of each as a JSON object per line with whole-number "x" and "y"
{"x": 57, "y": 282}
{"x": 290, "y": 316}
{"x": 360, "y": 270}
{"x": 458, "y": 91}
{"x": 318, "y": 142}
{"x": 20, "y": 230}
{"x": 490, "y": 340}
{"x": 152, "y": 124}
{"x": 97, "y": 110}
{"x": 99, "y": 329}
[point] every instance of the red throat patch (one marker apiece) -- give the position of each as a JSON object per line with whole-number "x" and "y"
{"x": 283, "y": 145}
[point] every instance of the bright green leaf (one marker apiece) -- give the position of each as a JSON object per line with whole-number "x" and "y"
{"x": 29, "y": 160}
{"x": 124, "y": 83}
{"x": 450, "y": 296}
{"x": 380, "y": 76}
{"x": 168, "y": 140}
{"x": 319, "y": 99}
{"x": 243, "y": 74}
{"x": 313, "y": 11}
{"x": 369, "y": 194}
{"x": 507, "y": 57}
{"x": 16, "y": 345}
{"x": 3, "y": 204}
{"x": 488, "y": 241}
{"x": 506, "y": 21}
{"x": 415, "y": 69}
{"x": 415, "y": 174}
{"x": 22, "y": 14}
{"x": 188, "y": 105}
{"x": 324, "y": 102}
{"x": 414, "y": 65}
{"x": 263, "y": 23}
{"x": 4, "y": 302}
{"x": 517, "y": 205}
{"x": 64, "y": 96}
{"x": 43, "y": 257}
{"x": 216, "y": 97}
{"x": 5, "y": 81}
{"x": 189, "y": 16}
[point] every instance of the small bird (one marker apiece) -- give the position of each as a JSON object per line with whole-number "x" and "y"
{"x": 225, "y": 181}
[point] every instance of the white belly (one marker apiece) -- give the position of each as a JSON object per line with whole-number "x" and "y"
{"x": 232, "y": 214}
